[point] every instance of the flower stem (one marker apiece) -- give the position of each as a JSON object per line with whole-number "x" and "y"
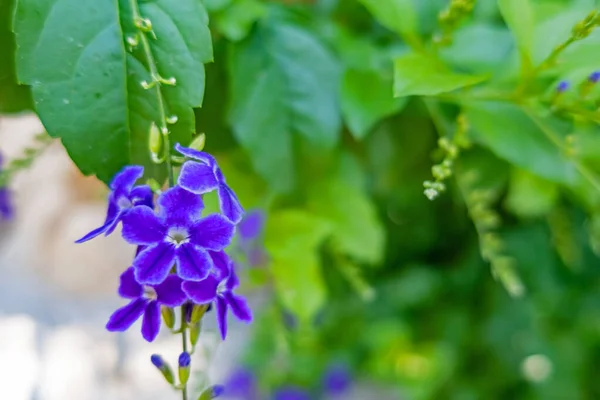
{"x": 156, "y": 84}
{"x": 184, "y": 344}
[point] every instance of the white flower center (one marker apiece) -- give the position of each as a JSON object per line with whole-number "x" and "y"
{"x": 123, "y": 203}
{"x": 178, "y": 236}
{"x": 222, "y": 287}
{"x": 150, "y": 293}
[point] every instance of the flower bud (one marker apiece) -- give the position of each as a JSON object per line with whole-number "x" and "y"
{"x": 168, "y": 316}
{"x": 155, "y": 141}
{"x": 198, "y": 312}
{"x": 163, "y": 367}
{"x": 195, "y": 333}
{"x": 184, "y": 367}
{"x": 212, "y": 392}
{"x": 198, "y": 142}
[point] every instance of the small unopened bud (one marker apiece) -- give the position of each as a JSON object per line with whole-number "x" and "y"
{"x": 163, "y": 367}
{"x": 198, "y": 312}
{"x": 147, "y": 85}
{"x": 562, "y": 86}
{"x": 172, "y": 119}
{"x": 212, "y": 392}
{"x": 195, "y": 333}
{"x": 143, "y": 24}
{"x": 168, "y": 316}
{"x": 198, "y": 142}
{"x": 155, "y": 141}
{"x": 184, "y": 367}
{"x": 133, "y": 41}
{"x": 170, "y": 81}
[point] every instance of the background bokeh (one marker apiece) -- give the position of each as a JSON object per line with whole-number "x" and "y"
{"x": 363, "y": 287}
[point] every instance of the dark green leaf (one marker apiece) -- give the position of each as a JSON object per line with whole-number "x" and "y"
{"x": 87, "y": 85}
{"x": 283, "y": 81}
{"x": 507, "y": 131}
{"x": 367, "y": 98}
{"x": 13, "y": 98}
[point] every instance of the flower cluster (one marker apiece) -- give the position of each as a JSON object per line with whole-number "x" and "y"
{"x": 250, "y": 247}
{"x": 6, "y": 208}
{"x": 181, "y": 257}
{"x": 336, "y": 382}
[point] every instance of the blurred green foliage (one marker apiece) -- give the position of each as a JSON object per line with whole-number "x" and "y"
{"x": 332, "y": 114}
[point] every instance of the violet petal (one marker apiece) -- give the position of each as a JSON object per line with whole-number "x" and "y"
{"x": 129, "y": 287}
{"x": 142, "y": 226}
{"x": 197, "y": 177}
{"x": 201, "y": 292}
{"x": 213, "y": 232}
{"x": 170, "y": 293}
{"x": 154, "y": 263}
{"x": 151, "y": 321}
{"x": 193, "y": 262}
{"x": 125, "y": 316}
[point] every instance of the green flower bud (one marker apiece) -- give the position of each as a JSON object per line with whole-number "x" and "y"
{"x": 184, "y": 367}
{"x": 198, "y": 142}
{"x": 168, "y": 316}
{"x": 155, "y": 140}
{"x": 195, "y": 333}
{"x": 163, "y": 367}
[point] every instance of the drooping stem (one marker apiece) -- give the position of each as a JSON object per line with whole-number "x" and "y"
{"x": 144, "y": 26}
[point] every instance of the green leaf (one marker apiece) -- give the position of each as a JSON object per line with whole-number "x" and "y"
{"x": 86, "y": 82}
{"x": 283, "y": 81}
{"x": 367, "y": 98}
{"x": 13, "y": 98}
{"x": 519, "y": 17}
{"x": 471, "y": 51}
{"x": 419, "y": 74}
{"x": 292, "y": 239}
{"x": 507, "y": 131}
{"x": 236, "y": 20}
{"x": 357, "y": 230}
{"x": 397, "y": 15}
{"x": 530, "y": 196}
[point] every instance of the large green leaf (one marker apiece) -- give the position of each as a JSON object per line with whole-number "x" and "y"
{"x": 283, "y": 81}
{"x": 399, "y": 16}
{"x": 509, "y": 132}
{"x": 419, "y": 74}
{"x": 86, "y": 82}
{"x": 519, "y": 17}
{"x": 13, "y": 97}
{"x": 367, "y": 98}
{"x": 292, "y": 239}
{"x": 357, "y": 230}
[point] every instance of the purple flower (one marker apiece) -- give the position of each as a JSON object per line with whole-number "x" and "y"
{"x": 250, "y": 229}
{"x": 178, "y": 235}
{"x": 594, "y": 77}
{"x": 242, "y": 383}
{"x": 221, "y": 292}
{"x": 291, "y": 393}
{"x": 337, "y": 380}
{"x": 562, "y": 86}
{"x": 6, "y": 207}
{"x": 251, "y": 225}
{"x": 145, "y": 300}
{"x": 122, "y": 198}
{"x": 203, "y": 175}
